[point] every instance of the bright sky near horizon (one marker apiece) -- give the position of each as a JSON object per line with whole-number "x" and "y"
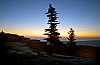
{"x": 27, "y": 17}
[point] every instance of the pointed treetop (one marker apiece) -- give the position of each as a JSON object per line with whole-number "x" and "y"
{"x": 71, "y": 29}
{"x": 2, "y": 30}
{"x": 50, "y": 5}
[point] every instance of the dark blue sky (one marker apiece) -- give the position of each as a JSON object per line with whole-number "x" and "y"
{"x": 26, "y": 17}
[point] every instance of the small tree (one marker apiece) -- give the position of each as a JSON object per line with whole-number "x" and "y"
{"x": 71, "y": 37}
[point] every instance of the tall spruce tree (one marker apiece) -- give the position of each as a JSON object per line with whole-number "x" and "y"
{"x": 53, "y": 35}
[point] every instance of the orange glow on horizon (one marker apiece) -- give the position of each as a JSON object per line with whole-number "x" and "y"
{"x": 84, "y": 35}
{"x": 40, "y": 34}
{"x": 81, "y": 34}
{"x": 89, "y": 35}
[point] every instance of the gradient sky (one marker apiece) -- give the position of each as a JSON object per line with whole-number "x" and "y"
{"x": 26, "y": 17}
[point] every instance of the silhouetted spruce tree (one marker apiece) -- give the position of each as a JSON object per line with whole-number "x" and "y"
{"x": 71, "y": 37}
{"x": 52, "y": 30}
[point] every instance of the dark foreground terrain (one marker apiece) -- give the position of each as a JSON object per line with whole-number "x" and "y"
{"x": 39, "y": 60}
{"x": 21, "y": 54}
{"x": 24, "y": 55}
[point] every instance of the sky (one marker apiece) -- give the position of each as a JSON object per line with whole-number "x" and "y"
{"x": 28, "y": 18}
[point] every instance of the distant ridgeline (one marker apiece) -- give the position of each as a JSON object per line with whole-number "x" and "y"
{"x": 11, "y": 39}
{"x": 7, "y": 37}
